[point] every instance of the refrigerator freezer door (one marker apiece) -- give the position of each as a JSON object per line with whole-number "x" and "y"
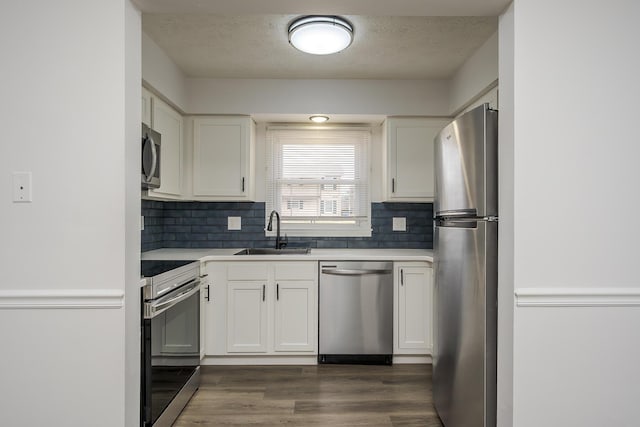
{"x": 466, "y": 165}
{"x": 465, "y": 296}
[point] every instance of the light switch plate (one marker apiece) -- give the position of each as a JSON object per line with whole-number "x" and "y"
{"x": 399, "y": 224}
{"x": 234, "y": 223}
{"x": 22, "y": 187}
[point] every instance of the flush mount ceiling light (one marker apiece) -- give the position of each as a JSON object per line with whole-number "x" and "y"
{"x": 320, "y": 35}
{"x": 319, "y": 119}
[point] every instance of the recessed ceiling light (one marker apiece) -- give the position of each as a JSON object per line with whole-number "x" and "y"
{"x": 319, "y": 119}
{"x": 320, "y": 35}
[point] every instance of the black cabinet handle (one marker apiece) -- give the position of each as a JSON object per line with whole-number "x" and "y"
{"x": 263, "y": 292}
{"x": 208, "y": 293}
{"x": 393, "y": 185}
{"x": 243, "y": 184}
{"x": 277, "y": 291}
{"x": 401, "y": 277}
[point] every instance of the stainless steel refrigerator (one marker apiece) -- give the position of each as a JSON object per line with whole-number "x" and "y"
{"x": 466, "y": 270}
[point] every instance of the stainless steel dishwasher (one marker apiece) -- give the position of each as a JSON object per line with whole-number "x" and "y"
{"x": 356, "y": 312}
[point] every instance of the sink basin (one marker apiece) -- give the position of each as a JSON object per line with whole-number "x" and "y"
{"x": 273, "y": 251}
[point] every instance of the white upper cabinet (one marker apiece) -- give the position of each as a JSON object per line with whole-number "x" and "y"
{"x": 223, "y": 158}
{"x": 146, "y": 107}
{"x": 161, "y": 117}
{"x": 409, "y": 158}
{"x": 168, "y": 122}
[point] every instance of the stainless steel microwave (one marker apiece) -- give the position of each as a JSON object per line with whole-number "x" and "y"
{"x": 150, "y": 158}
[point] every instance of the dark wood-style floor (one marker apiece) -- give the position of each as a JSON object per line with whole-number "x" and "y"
{"x": 323, "y": 395}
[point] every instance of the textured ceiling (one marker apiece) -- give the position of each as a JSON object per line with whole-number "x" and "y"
{"x": 256, "y": 46}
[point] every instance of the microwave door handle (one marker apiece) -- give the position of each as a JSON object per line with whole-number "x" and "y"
{"x": 154, "y": 160}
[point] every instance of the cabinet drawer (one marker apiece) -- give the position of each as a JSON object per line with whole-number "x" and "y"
{"x": 296, "y": 271}
{"x": 247, "y": 271}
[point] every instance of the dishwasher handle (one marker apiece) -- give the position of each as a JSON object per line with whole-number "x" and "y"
{"x": 354, "y": 272}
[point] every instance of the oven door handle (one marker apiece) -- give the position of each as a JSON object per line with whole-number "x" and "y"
{"x": 152, "y": 309}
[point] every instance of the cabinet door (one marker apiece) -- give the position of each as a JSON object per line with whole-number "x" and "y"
{"x": 246, "y": 317}
{"x": 295, "y": 316}
{"x": 205, "y": 295}
{"x": 222, "y": 154}
{"x": 410, "y": 158}
{"x": 168, "y": 122}
{"x": 146, "y": 107}
{"x": 215, "y": 312}
{"x": 414, "y": 310}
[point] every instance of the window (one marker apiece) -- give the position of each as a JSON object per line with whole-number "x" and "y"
{"x": 328, "y": 207}
{"x": 295, "y": 204}
{"x": 318, "y": 180}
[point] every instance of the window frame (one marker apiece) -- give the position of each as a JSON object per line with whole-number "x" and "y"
{"x": 321, "y": 226}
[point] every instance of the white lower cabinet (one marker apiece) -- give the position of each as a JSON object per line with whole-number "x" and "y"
{"x": 204, "y": 296}
{"x": 267, "y": 308}
{"x": 246, "y": 317}
{"x": 413, "y": 319}
{"x": 295, "y": 314}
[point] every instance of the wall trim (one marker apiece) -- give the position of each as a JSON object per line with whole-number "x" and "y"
{"x": 578, "y": 297}
{"x": 61, "y": 298}
{"x": 235, "y": 360}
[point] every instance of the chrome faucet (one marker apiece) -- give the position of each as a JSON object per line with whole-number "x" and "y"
{"x": 270, "y": 228}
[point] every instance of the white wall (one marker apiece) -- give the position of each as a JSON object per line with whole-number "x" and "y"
{"x": 478, "y": 74}
{"x": 132, "y": 154}
{"x": 575, "y": 180}
{"x": 506, "y": 211}
{"x": 162, "y": 75}
{"x": 282, "y": 96}
{"x": 63, "y": 115}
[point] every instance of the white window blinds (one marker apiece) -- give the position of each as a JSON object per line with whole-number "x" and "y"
{"x": 318, "y": 180}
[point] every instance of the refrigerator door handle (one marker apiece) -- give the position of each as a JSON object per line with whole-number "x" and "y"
{"x": 462, "y": 213}
{"x": 464, "y": 220}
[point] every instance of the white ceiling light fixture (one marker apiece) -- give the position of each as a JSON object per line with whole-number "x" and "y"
{"x": 319, "y": 119}
{"x": 320, "y": 35}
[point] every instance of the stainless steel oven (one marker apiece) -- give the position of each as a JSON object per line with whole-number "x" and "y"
{"x": 170, "y": 362}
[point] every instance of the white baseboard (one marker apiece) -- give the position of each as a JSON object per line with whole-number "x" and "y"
{"x": 400, "y": 359}
{"x": 61, "y": 299}
{"x": 296, "y": 360}
{"x": 578, "y": 297}
{"x": 259, "y": 360}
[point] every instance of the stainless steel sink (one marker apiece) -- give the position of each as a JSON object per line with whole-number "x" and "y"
{"x": 273, "y": 251}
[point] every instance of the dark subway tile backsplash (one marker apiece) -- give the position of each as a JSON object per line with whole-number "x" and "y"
{"x": 204, "y": 225}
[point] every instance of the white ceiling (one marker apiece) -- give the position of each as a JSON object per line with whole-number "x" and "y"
{"x": 394, "y": 39}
